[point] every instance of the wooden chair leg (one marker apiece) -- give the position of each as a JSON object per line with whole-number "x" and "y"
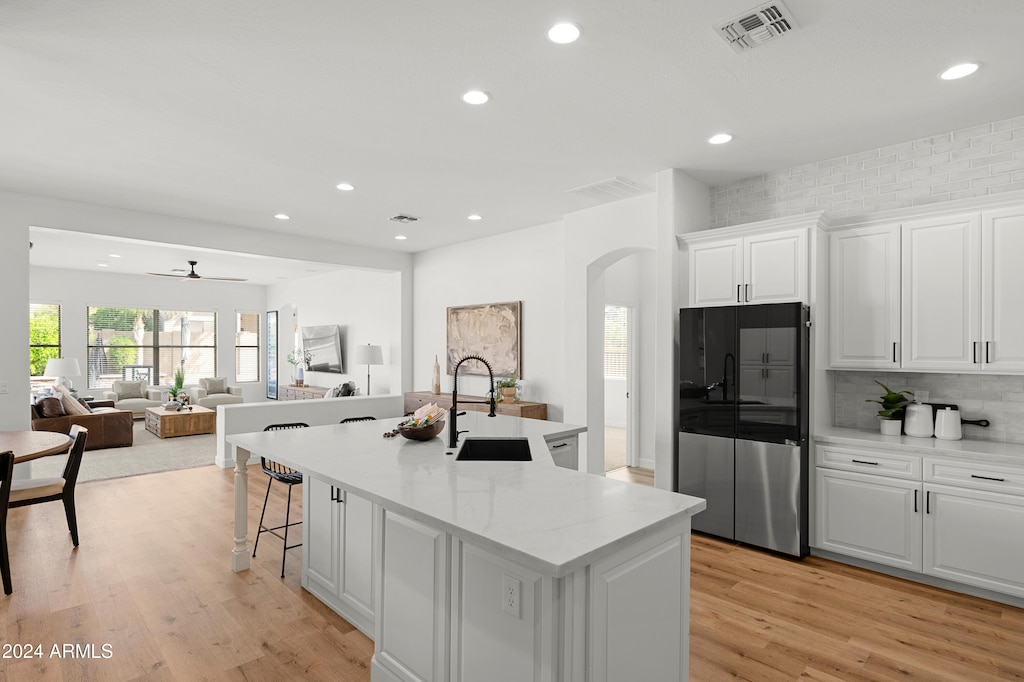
{"x": 69, "y": 511}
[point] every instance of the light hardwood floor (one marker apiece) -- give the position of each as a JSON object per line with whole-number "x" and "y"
{"x": 152, "y": 579}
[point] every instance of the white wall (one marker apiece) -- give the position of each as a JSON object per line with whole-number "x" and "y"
{"x": 14, "y": 384}
{"x": 366, "y": 304}
{"x": 76, "y": 290}
{"x": 525, "y": 265}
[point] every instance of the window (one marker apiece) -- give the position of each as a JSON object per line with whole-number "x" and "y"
{"x": 615, "y": 327}
{"x": 150, "y": 344}
{"x": 43, "y": 335}
{"x": 247, "y": 347}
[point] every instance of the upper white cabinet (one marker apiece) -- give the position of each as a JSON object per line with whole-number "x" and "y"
{"x": 930, "y": 294}
{"x": 1002, "y": 281}
{"x": 749, "y": 265}
{"x": 941, "y": 293}
{"x": 864, "y": 281}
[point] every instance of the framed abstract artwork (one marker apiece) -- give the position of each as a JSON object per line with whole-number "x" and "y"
{"x": 491, "y": 330}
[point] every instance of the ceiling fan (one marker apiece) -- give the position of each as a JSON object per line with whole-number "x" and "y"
{"x": 194, "y": 275}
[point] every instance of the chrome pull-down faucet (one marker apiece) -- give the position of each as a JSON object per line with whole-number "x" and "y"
{"x": 453, "y": 411}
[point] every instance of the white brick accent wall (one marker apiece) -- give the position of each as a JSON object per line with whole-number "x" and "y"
{"x": 972, "y": 162}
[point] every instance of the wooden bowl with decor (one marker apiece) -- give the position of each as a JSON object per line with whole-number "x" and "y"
{"x": 424, "y": 424}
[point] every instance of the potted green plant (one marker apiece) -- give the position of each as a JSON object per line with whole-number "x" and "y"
{"x": 177, "y": 388}
{"x": 893, "y": 405}
{"x": 508, "y": 388}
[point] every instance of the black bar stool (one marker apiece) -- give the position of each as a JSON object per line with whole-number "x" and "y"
{"x": 288, "y": 476}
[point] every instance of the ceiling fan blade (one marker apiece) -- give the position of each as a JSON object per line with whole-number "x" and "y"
{"x": 226, "y": 279}
{"x": 164, "y": 274}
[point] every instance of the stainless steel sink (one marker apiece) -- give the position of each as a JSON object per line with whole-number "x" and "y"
{"x": 495, "y": 450}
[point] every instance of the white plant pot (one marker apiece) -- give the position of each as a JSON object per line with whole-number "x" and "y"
{"x": 891, "y": 427}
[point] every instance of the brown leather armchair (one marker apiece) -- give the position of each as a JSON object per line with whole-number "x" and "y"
{"x": 108, "y": 428}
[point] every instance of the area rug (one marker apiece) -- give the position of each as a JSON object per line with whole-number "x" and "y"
{"x": 147, "y": 455}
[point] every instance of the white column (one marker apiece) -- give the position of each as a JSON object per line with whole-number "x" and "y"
{"x": 240, "y": 555}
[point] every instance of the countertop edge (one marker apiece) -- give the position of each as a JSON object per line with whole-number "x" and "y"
{"x": 980, "y": 450}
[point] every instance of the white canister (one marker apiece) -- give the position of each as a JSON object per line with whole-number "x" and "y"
{"x": 947, "y": 424}
{"x": 917, "y": 421}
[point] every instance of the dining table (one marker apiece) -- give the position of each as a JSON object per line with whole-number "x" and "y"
{"x": 29, "y": 445}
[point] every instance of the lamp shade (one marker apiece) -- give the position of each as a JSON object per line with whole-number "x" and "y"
{"x": 62, "y": 367}
{"x": 367, "y": 355}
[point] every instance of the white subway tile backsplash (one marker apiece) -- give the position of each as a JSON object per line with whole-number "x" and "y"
{"x": 998, "y": 398}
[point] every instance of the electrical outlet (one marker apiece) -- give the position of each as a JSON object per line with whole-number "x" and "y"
{"x": 3, "y": 387}
{"x": 921, "y": 396}
{"x": 510, "y": 589}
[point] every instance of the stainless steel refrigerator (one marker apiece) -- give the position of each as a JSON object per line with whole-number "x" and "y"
{"x": 743, "y": 380}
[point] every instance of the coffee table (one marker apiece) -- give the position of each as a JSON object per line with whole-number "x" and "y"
{"x": 165, "y": 423}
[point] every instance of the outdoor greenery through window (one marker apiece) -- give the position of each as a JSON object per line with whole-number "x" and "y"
{"x": 247, "y": 347}
{"x": 150, "y": 344}
{"x": 615, "y": 328}
{"x": 44, "y": 335}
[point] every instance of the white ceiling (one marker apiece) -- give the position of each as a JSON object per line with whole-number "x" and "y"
{"x": 233, "y": 110}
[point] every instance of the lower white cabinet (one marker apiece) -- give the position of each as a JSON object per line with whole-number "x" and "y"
{"x": 906, "y": 514}
{"x": 870, "y": 517}
{"x": 975, "y": 537}
{"x": 565, "y": 452}
{"x": 338, "y": 549}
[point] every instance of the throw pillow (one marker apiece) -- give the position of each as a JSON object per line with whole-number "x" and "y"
{"x": 129, "y": 389}
{"x": 215, "y": 385}
{"x": 348, "y": 388}
{"x": 50, "y": 407}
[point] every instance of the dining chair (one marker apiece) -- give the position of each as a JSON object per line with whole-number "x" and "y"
{"x": 290, "y": 477}
{"x": 348, "y": 420}
{"x": 38, "y": 490}
{"x": 6, "y": 472}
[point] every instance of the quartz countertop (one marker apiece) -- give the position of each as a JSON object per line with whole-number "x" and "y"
{"x": 981, "y": 450}
{"x": 544, "y": 517}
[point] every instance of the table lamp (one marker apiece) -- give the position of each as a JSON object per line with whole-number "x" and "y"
{"x": 63, "y": 367}
{"x": 368, "y": 355}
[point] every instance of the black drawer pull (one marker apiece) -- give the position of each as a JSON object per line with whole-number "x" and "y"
{"x": 915, "y": 501}
{"x": 989, "y": 478}
{"x": 560, "y": 445}
{"x": 928, "y": 502}
{"x": 864, "y": 461}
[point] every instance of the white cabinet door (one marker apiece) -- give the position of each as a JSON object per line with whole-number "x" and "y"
{"x": 565, "y": 452}
{"x": 775, "y": 267}
{"x": 357, "y": 565}
{"x": 413, "y": 607}
{"x": 716, "y": 272}
{"x": 1002, "y": 244}
{"x": 320, "y": 534}
{"x": 870, "y": 517}
{"x": 864, "y": 297}
{"x": 941, "y": 293}
{"x": 975, "y": 537}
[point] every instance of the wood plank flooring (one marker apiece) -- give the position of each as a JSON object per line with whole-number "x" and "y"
{"x": 152, "y": 580}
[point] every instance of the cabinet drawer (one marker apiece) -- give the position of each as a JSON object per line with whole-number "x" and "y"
{"x": 869, "y": 461}
{"x": 977, "y": 475}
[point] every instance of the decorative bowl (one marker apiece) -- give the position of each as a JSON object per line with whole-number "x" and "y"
{"x": 422, "y": 432}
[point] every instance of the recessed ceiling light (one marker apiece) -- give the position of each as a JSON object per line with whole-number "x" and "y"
{"x": 400, "y": 237}
{"x": 114, "y": 255}
{"x": 346, "y": 186}
{"x": 282, "y": 216}
{"x": 475, "y": 217}
{"x": 475, "y": 97}
{"x": 564, "y": 33}
{"x": 958, "y": 71}
{"x": 103, "y": 265}
{"x": 720, "y": 138}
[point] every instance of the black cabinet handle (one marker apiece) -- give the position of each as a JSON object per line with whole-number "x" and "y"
{"x": 746, "y": 292}
{"x": 988, "y": 355}
{"x": 894, "y": 351}
{"x": 864, "y": 461}
{"x": 560, "y": 445}
{"x": 915, "y": 501}
{"x": 989, "y": 478}
{"x": 336, "y": 495}
{"x": 738, "y": 287}
{"x": 974, "y": 351}
{"x": 928, "y": 502}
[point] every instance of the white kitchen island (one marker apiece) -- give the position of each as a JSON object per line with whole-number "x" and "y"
{"x": 463, "y": 570}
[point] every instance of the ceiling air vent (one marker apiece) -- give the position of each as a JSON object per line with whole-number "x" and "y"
{"x": 401, "y": 218}
{"x": 611, "y": 189}
{"x": 757, "y": 26}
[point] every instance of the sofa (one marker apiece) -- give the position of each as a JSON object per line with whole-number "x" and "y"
{"x": 108, "y": 427}
{"x": 214, "y": 391}
{"x": 134, "y": 396}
